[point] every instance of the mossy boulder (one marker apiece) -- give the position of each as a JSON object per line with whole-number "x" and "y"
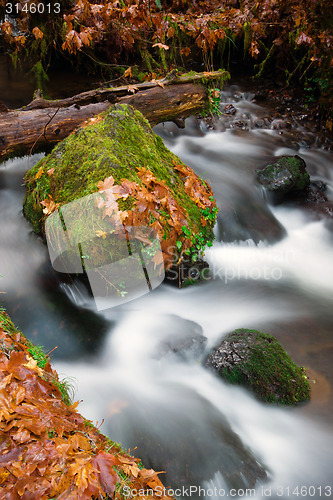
{"x": 152, "y": 187}
{"x": 286, "y": 176}
{"x": 258, "y": 361}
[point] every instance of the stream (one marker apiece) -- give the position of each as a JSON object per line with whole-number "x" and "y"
{"x": 271, "y": 270}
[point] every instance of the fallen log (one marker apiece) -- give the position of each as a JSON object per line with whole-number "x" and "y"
{"x": 43, "y": 123}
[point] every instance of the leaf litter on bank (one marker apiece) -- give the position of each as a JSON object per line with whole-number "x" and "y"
{"x": 47, "y": 449}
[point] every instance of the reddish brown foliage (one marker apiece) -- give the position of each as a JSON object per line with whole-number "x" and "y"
{"x": 47, "y": 450}
{"x": 156, "y": 207}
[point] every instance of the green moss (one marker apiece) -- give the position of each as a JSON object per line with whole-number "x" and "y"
{"x": 117, "y": 144}
{"x": 287, "y": 174}
{"x": 37, "y": 352}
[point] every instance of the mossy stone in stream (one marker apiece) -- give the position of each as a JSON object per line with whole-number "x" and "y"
{"x": 119, "y": 143}
{"x": 258, "y": 361}
{"x": 287, "y": 175}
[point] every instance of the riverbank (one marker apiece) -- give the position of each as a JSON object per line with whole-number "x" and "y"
{"x": 47, "y": 448}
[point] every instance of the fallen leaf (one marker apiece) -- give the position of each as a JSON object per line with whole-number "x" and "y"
{"x": 128, "y": 72}
{"x": 39, "y": 173}
{"x": 132, "y": 88}
{"x": 50, "y": 205}
{"x": 101, "y": 234}
{"x": 161, "y": 46}
{"x": 38, "y": 34}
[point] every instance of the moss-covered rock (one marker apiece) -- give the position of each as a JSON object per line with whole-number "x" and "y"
{"x": 258, "y": 361}
{"x": 287, "y": 175}
{"x": 153, "y": 187}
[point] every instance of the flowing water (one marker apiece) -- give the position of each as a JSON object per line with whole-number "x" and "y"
{"x": 271, "y": 270}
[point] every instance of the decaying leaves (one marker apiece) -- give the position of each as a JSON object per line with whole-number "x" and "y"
{"x": 47, "y": 449}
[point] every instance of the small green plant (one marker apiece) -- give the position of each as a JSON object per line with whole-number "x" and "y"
{"x": 38, "y": 354}
{"x": 124, "y": 480}
{"x": 214, "y": 98}
{"x": 66, "y": 387}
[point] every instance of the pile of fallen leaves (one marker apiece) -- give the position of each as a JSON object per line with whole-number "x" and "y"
{"x": 47, "y": 449}
{"x": 155, "y": 207}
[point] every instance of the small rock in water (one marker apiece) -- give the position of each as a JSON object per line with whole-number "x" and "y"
{"x": 279, "y": 124}
{"x": 258, "y": 361}
{"x": 182, "y": 338}
{"x": 229, "y": 109}
{"x": 287, "y": 175}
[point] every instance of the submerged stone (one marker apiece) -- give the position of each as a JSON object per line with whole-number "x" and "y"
{"x": 287, "y": 175}
{"x": 258, "y": 361}
{"x": 186, "y": 436}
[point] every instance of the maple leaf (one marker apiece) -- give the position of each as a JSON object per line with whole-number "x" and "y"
{"x": 303, "y": 38}
{"x": 129, "y": 186}
{"x": 186, "y": 51}
{"x": 254, "y": 49}
{"x": 50, "y": 205}
{"x": 86, "y": 35}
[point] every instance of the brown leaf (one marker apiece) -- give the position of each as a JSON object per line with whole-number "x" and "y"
{"x": 50, "y": 205}
{"x": 128, "y": 72}
{"x": 303, "y": 38}
{"x": 104, "y": 463}
{"x": 106, "y": 184}
{"x": 132, "y": 88}
{"x": 50, "y": 171}
{"x": 38, "y": 34}
{"x": 161, "y": 46}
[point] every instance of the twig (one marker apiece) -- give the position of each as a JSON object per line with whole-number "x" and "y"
{"x": 42, "y": 134}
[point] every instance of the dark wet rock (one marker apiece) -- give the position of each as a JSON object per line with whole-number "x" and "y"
{"x": 248, "y": 219}
{"x": 229, "y": 109}
{"x": 194, "y": 424}
{"x": 279, "y": 124}
{"x": 287, "y": 175}
{"x": 259, "y": 123}
{"x": 315, "y": 201}
{"x": 260, "y": 95}
{"x": 187, "y": 272}
{"x": 258, "y": 361}
{"x": 182, "y": 338}
{"x": 240, "y": 124}
{"x": 316, "y": 192}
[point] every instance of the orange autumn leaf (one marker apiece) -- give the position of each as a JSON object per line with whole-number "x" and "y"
{"x": 38, "y": 34}
{"x": 50, "y": 171}
{"x": 49, "y": 205}
{"x": 128, "y": 72}
{"x": 161, "y": 46}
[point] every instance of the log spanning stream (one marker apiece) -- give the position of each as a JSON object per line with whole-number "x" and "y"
{"x": 137, "y": 368}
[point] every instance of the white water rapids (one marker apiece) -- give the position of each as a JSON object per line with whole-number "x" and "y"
{"x": 169, "y": 404}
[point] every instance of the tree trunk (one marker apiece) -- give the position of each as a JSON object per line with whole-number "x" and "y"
{"x": 42, "y": 123}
